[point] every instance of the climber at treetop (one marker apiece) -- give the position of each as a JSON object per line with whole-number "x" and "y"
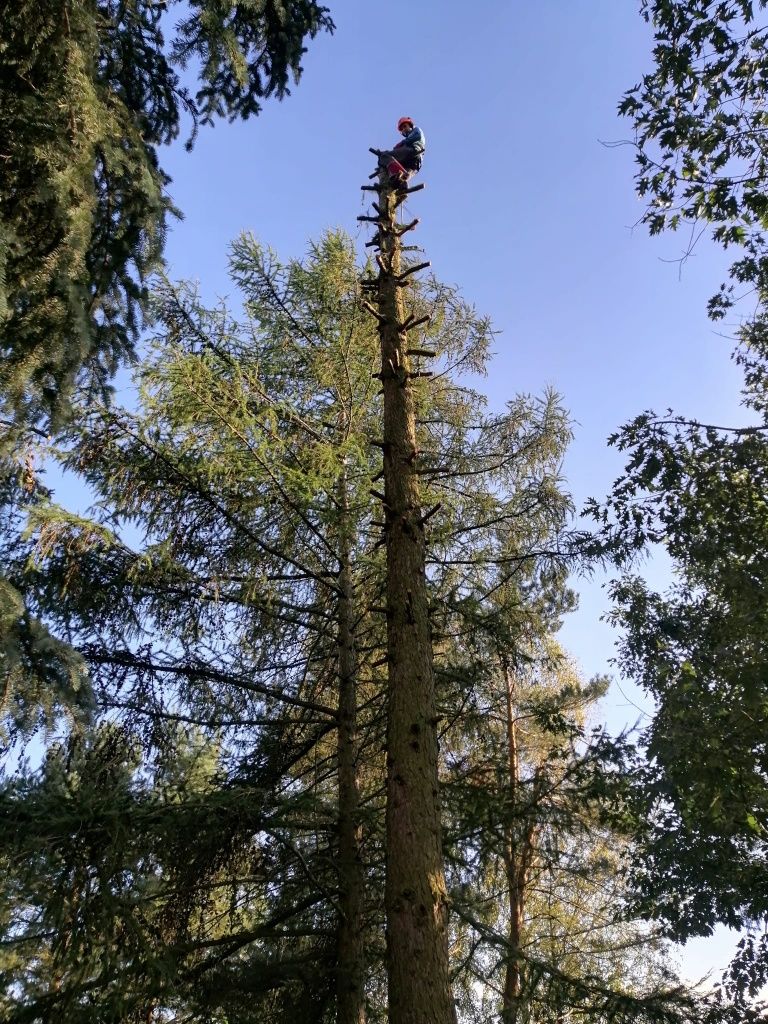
{"x": 405, "y": 158}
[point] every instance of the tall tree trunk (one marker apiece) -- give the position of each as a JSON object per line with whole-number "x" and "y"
{"x": 518, "y": 856}
{"x": 350, "y": 992}
{"x": 512, "y": 978}
{"x": 415, "y": 893}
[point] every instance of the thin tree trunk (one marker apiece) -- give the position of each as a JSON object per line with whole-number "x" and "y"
{"x": 516, "y": 908}
{"x": 415, "y": 894}
{"x": 518, "y": 856}
{"x": 350, "y": 991}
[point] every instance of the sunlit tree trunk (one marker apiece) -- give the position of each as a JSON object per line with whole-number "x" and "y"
{"x": 415, "y": 894}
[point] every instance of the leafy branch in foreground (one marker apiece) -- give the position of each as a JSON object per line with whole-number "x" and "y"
{"x": 697, "y": 489}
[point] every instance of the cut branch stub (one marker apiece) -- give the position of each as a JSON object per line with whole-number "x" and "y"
{"x": 413, "y": 270}
{"x": 373, "y": 311}
{"x": 430, "y": 512}
{"x": 419, "y": 322}
{"x": 400, "y": 229}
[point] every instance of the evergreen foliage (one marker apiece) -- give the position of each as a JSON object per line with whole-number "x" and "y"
{"x": 42, "y": 676}
{"x": 181, "y": 857}
{"x": 89, "y": 91}
{"x": 221, "y": 618}
{"x": 538, "y": 838}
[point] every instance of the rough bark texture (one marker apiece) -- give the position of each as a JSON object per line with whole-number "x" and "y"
{"x": 350, "y": 991}
{"x": 415, "y": 895}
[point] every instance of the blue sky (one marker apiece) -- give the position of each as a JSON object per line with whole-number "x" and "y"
{"x": 524, "y": 208}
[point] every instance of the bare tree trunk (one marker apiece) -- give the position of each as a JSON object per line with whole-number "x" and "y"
{"x": 350, "y": 993}
{"x": 415, "y": 894}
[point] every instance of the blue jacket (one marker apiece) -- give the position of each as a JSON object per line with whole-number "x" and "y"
{"x": 415, "y": 139}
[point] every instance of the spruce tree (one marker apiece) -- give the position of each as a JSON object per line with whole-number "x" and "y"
{"x": 89, "y": 93}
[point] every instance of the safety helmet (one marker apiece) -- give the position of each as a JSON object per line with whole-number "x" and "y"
{"x": 404, "y": 121}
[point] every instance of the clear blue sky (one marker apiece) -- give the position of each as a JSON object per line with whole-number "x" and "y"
{"x": 524, "y": 209}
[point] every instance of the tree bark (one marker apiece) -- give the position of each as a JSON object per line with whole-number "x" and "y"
{"x": 415, "y": 894}
{"x": 518, "y": 856}
{"x": 350, "y": 987}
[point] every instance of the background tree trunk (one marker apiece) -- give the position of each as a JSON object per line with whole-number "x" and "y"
{"x": 351, "y": 953}
{"x": 518, "y": 856}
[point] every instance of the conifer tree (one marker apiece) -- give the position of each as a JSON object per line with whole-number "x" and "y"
{"x": 498, "y": 554}
{"x": 538, "y": 853}
{"x": 233, "y": 472}
{"x": 493, "y": 570}
{"x": 235, "y": 696}
{"x": 89, "y": 92}
{"x": 233, "y": 478}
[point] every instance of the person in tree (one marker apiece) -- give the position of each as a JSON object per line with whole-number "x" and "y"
{"x": 405, "y": 158}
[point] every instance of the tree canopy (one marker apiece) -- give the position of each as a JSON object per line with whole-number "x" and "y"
{"x": 89, "y": 94}
{"x": 287, "y": 743}
{"x": 697, "y": 489}
{"x": 207, "y": 600}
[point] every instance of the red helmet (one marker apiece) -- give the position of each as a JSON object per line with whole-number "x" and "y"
{"x": 404, "y": 121}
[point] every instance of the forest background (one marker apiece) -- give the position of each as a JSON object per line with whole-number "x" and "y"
{"x": 529, "y": 206}
{"x": 525, "y": 208}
